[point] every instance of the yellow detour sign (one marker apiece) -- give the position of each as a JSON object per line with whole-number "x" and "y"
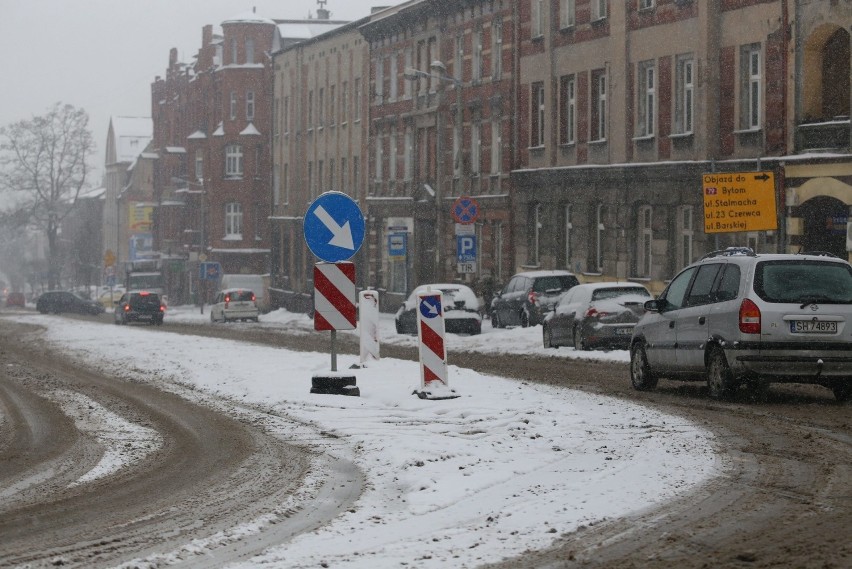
{"x": 739, "y": 201}
{"x": 109, "y": 258}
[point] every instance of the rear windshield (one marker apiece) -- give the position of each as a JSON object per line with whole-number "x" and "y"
{"x": 603, "y": 293}
{"x": 803, "y": 281}
{"x": 561, "y": 282}
{"x": 139, "y": 300}
{"x": 240, "y": 295}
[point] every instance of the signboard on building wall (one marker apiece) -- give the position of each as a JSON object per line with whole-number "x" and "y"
{"x": 140, "y": 218}
{"x": 140, "y": 246}
{"x": 739, "y": 201}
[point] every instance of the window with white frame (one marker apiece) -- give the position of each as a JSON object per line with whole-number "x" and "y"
{"x": 233, "y": 161}
{"x": 685, "y": 94}
{"x": 599, "y": 239}
{"x": 332, "y": 105}
{"x": 599, "y": 109}
{"x": 496, "y": 143}
{"x": 567, "y": 13}
{"x": 751, "y": 94}
{"x": 380, "y": 79}
{"x": 409, "y": 153}
{"x": 321, "y": 106}
{"x": 393, "y": 75}
{"x": 392, "y": 157}
{"x": 344, "y": 101}
{"x": 568, "y": 109}
{"x": 496, "y": 48}
{"x": 537, "y": 115}
{"x": 233, "y": 110}
{"x": 537, "y": 18}
{"x": 458, "y": 63}
{"x": 377, "y": 166}
{"x": 356, "y": 94}
{"x": 643, "y": 241}
{"x": 647, "y": 98}
{"x": 199, "y": 164}
{"x": 249, "y": 105}
{"x": 646, "y": 4}
{"x": 310, "y": 109}
{"x": 233, "y": 220}
{"x": 686, "y": 233}
{"x": 568, "y": 228}
{"x": 599, "y": 10}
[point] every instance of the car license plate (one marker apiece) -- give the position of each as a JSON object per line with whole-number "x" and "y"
{"x": 812, "y": 327}
{"x": 623, "y": 331}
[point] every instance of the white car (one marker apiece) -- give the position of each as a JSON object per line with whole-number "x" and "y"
{"x": 234, "y": 304}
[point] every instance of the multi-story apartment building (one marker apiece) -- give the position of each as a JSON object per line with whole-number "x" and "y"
{"x": 319, "y": 143}
{"x": 442, "y": 109}
{"x": 623, "y": 106}
{"x": 212, "y": 131}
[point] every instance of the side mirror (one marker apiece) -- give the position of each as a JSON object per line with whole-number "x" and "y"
{"x": 654, "y": 305}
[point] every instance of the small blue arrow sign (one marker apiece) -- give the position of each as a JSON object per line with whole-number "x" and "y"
{"x": 430, "y": 306}
{"x": 334, "y": 227}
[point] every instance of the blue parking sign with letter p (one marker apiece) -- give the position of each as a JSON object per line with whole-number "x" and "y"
{"x": 466, "y": 248}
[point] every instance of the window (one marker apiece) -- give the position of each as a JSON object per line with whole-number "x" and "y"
{"x": 332, "y": 113}
{"x": 459, "y": 62}
{"x": 496, "y": 49}
{"x": 276, "y": 117}
{"x": 321, "y": 187}
{"x": 394, "y": 80}
{"x": 233, "y": 52}
{"x": 647, "y": 95}
{"x": 233, "y": 113}
{"x": 199, "y": 164}
{"x": 331, "y": 178}
{"x": 567, "y": 211}
{"x": 310, "y": 109}
{"x": 286, "y": 184}
{"x": 475, "y": 146}
{"x": 751, "y": 95}
{"x": 276, "y": 185}
{"x": 537, "y": 115}
{"x": 377, "y": 168}
{"x": 685, "y": 88}
{"x": 644, "y": 238}
{"x": 598, "y": 9}
{"x": 675, "y": 293}
{"x": 249, "y": 50}
{"x": 568, "y": 109}
{"x": 249, "y": 105}
{"x": 344, "y": 101}
{"x": 233, "y": 161}
{"x": 409, "y": 153}
{"x": 392, "y": 153}
{"x": 686, "y": 234}
{"x": 476, "y": 69}
{"x": 567, "y": 13}
{"x": 699, "y": 292}
{"x": 311, "y": 189}
{"x": 380, "y": 80}
{"x": 233, "y": 220}
{"x": 457, "y": 137}
{"x": 646, "y": 4}
{"x": 599, "y": 228}
{"x": 409, "y": 63}
{"x": 321, "y": 107}
{"x": 496, "y": 142}
{"x": 537, "y": 18}
{"x": 599, "y": 105}
{"x": 535, "y": 233}
{"x": 357, "y": 102}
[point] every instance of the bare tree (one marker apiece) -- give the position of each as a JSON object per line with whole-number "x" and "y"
{"x": 44, "y": 162}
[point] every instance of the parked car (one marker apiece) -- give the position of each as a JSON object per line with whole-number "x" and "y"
{"x": 140, "y": 306}
{"x": 736, "y": 316}
{"x": 595, "y": 315}
{"x": 16, "y": 299}
{"x": 528, "y": 296}
{"x": 234, "y": 304}
{"x": 110, "y": 298}
{"x": 59, "y": 301}
{"x": 461, "y": 310}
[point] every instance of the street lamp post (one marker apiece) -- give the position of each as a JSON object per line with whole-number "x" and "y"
{"x": 439, "y": 72}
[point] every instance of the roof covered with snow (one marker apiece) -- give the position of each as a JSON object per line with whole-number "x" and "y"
{"x": 128, "y": 137}
{"x": 248, "y": 18}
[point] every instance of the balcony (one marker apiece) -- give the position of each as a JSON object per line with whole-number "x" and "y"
{"x": 826, "y": 136}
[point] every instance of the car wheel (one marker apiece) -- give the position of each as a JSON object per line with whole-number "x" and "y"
{"x": 720, "y": 379}
{"x": 579, "y": 341}
{"x": 525, "y": 318}
{"x": 641, "y": 376}
{"x": 547, "y": 336}
{"x": 842, "y": 390}
{"x": 495, "y": 320}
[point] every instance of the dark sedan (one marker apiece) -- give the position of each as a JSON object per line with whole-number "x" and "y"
{"x": 461, "y": 310}
{"x": 59, "y": 301}
{"x": 596, "y": 315}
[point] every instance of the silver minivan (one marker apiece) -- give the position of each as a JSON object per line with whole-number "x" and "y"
{"x": 738, "y": 317}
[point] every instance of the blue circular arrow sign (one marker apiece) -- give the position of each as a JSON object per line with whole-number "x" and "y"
{"x": 430, "y": 306}
{"x": 334, "y": 227}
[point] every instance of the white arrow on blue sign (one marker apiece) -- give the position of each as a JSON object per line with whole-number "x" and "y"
{"x": 334, "y": 227}
{"x": 430, "y": 307}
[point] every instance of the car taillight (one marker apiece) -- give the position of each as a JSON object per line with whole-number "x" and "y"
{"x": 127, "y": 308}
{"x": 162, "y": 308}
{"x": 252, "y": 298}
{"x": 593, "y": 312}
{"x": 532, "y": 297}
{"x": 749, "y": 317}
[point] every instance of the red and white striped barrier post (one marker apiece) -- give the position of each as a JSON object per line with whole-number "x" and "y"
{"x": 368, "y": 325}
{"x": 434, "y": 382}
{"x": 334, "y": 309}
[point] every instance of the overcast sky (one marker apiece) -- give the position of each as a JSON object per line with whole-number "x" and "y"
{"x": 103, "y": 55}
